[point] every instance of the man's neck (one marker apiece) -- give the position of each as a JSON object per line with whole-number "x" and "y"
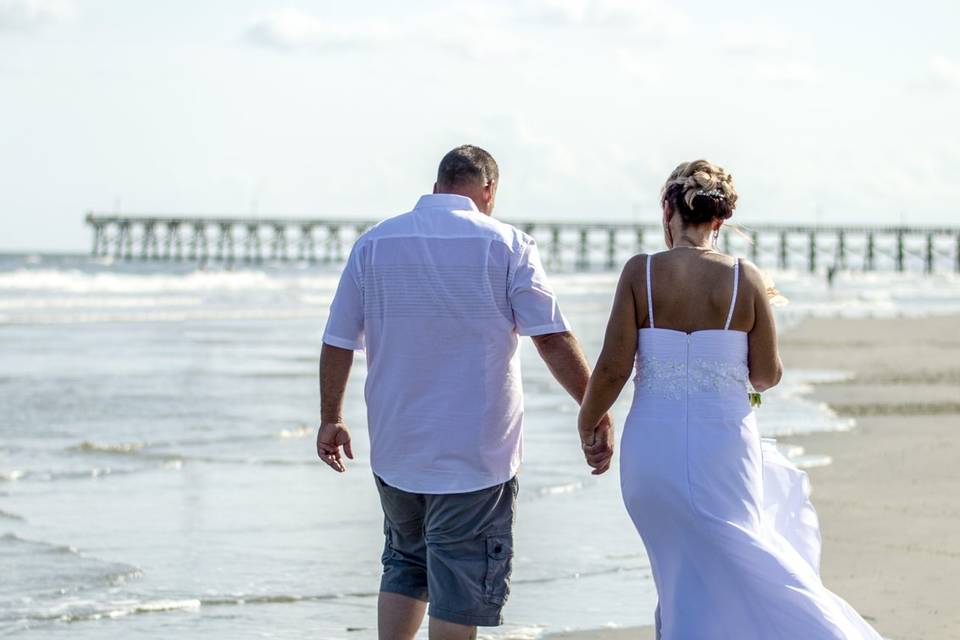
{"x": 466, "y": 193}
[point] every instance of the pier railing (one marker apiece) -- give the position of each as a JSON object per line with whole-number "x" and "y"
{"x": 570, "y": 245}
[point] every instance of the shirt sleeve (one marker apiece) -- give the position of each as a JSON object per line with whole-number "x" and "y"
{"x": 345, "y": 323}
{"x": 535, "y": 308}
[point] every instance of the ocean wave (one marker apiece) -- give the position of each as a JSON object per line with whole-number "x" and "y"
{"x": 518, "y": 633}
{"x": 809, "y": 461}
{"x": 173, "y": 461}
{"x": 79, "y": 281}
{"x": 297, "y": 432}
{"x": 113, "y": 574}
{"x": 78, "y": 474}
{"x": 121, "y": 447}
{"x": 579, "y": 575}
{"x": 80, "y": 302}
{"x": 557, "y": 489}
{"x": 84, "y": 610}
{"x": 252, "y": 460}
{"x": 276, "y": 375}
{"x": 167, "y": 459}
{"x": 279, "y": 598}
{"x": 35, "y": 475}
{"x": 163, "y": 316}
{"x": 47, "y": 572}
{"x": 798, "y": 455}
{"x": 49, "y": 547}
{"x": 141, "y": 448}
{"x": 7, "y": 515}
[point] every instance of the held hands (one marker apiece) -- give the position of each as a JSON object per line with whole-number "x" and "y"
{"x": 330, "y": 437}
{"x": 597, "y": 444}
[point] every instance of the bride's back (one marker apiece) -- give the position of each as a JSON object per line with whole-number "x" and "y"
{"x": 692, "y": 290}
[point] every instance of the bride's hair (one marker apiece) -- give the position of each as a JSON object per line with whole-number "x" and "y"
{"x": 700, "y": 192}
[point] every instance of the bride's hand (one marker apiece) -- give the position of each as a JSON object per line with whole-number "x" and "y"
{"x": 597, "y": 444}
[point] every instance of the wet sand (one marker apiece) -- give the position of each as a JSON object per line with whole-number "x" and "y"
{"x": 889, "y": 504}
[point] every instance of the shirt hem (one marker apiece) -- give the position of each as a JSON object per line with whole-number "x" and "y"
{"x": 440, "y": 492}
{"x": 539, "y": 330}
{"x": 342, "y": 343}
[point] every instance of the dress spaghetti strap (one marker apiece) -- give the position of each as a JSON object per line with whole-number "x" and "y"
{"x": 649, "y": 291}
{"x": 733, "y": 299}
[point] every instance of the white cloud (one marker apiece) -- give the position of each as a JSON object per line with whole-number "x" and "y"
{"x": 471, "y": 30}
{"x": 647, "y": 15}
{"x": 295, "y": 29}
{"x": 548, "y": 175}
{"x": 942, "y": 74}
{"x": 752, "y": 39}
{"x": 743, "y": 54}
{"x": 766, "y": 53}
{"x": 765, "y": 73}
{"x": 29, "y": 15}
{"x": 463, "y": 29}
{"x": 645, "y": 39}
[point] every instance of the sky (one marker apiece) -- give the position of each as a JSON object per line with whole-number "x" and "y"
{"x": 824, "y": 111}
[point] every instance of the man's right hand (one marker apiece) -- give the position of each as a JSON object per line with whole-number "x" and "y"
{"x": 597, "y": 444}
{"x": 330, "y": 437}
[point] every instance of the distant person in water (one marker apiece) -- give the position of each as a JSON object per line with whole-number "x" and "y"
{"x": 438, "y": 298}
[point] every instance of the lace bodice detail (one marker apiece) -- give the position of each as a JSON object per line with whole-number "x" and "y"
{"x": 668, "y": 376}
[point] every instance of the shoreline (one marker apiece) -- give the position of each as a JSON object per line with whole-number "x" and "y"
{"x": 889, "y": 503}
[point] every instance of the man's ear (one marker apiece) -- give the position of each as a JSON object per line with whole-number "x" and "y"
{"x": 486, "y": 194}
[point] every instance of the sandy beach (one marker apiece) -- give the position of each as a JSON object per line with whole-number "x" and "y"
{"x": 889, "y": 504}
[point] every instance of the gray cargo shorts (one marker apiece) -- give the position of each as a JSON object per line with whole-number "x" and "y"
{"x": 454, "y": 551}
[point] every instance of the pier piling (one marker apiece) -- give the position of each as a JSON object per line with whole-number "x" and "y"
{"x": 578, "y": 245}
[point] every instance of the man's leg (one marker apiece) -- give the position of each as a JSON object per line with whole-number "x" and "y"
{"x": 399, "y": 617}
{"x": 469, "y": 538}
{"x": 403, "y": 586}
{"x": 443, "y": 630}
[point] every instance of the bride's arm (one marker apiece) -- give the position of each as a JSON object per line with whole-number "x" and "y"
{"x": 764, "y": 356}
{"x": 616, "y": 359}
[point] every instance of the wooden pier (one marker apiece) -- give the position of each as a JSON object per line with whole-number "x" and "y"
{"x": 563, "y": 245}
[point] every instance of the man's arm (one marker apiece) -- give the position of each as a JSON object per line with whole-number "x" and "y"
{"x": 564, "y": 358}
{"x": 335, "y": 366}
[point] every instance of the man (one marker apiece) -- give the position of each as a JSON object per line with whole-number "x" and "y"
{"x": 438, "y": 297}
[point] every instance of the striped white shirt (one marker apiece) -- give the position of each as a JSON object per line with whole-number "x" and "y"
{"x": 438, "y": 297}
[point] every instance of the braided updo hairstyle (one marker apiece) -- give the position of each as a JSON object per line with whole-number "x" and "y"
{"x": 700, "y": 192}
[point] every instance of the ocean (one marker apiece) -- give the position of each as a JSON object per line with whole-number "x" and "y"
{"x": 158, "y": 474}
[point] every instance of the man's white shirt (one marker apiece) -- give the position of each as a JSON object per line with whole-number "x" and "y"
{"x": 438, "y": 297}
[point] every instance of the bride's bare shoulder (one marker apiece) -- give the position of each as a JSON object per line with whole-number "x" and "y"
{"x": 634, "y": 269}
{"x": 752, "y": 276}
{"x": 636, "y": 264}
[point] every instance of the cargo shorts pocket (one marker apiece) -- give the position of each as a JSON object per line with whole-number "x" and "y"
{"x": 496, "y": 582}
{"x": 388, "y": 545}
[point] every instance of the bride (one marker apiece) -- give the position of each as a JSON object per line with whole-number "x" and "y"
{"x": 733, "y": 541}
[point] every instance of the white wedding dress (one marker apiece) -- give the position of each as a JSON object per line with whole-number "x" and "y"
{"x": 733, "y": 540}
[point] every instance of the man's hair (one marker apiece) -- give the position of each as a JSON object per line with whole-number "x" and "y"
{"x": 467, "y": 164}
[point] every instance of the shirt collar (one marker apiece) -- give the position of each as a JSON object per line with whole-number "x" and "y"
{"x": 448, "y": 201}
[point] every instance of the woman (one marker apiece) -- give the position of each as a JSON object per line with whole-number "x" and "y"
{"x": 732, "y": 538}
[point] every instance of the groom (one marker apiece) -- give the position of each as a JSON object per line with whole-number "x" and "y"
{"x": 438, "y": 297}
